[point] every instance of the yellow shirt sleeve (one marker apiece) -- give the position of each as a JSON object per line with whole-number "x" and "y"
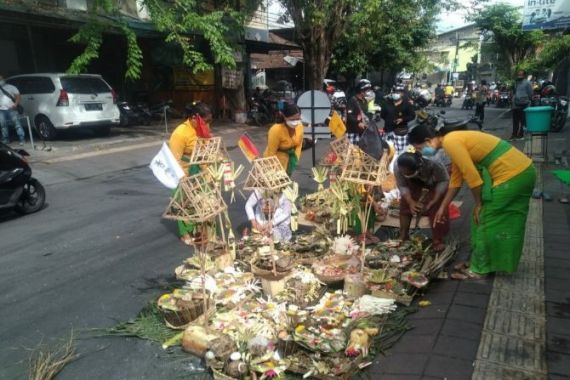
{"x": 299, "y": 136}
{"x": 182, "y": 142}
{"x": 463, "y": 164}
{"x": 273, "y": 141}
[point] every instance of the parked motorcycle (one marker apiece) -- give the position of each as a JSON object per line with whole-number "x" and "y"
{"x": 560, "y": 112}
{"x": 438, "y": 120}
{"x": 133, "y": 114}
{"x": 18, "y": 189}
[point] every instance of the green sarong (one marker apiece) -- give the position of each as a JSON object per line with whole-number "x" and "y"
{"x": 292, "y": 162}
{"x": 187, "y": 227}
{"x": 497, "y": 241}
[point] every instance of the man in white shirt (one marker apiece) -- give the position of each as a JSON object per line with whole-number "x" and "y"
{"x": 9, "y": 100}
{"x": 259, "y": 209}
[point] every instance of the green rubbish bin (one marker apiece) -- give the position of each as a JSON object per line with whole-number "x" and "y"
{"x": 538, "y": 119}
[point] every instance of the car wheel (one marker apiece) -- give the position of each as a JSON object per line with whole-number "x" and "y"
{"x": 45, "y": 128}
{"x": 32, "y": 199}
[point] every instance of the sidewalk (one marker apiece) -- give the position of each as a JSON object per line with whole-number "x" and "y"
{"x": 506, "y": 326}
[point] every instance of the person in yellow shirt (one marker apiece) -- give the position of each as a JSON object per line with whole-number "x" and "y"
{"x": 181, "y": 144}
{"x": 449, "y": 90}
{"x": 285, "y": 139}
{"x": 501, "y": 179}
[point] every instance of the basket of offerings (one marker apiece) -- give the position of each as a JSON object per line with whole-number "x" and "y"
{"x": 180, "y": 308}
{"x": 333, "y": 269}
{"x": 271, "y": 268}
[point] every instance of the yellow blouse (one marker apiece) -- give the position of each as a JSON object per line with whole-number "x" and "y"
{"x": 182, "y": 142}
{"x": 467, "y": 148}
{"x": 279, "y": 142}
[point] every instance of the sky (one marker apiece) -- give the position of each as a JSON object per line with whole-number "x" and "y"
{"x": 452, "y": 20}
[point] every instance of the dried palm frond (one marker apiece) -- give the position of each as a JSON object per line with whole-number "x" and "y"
{"x": 46, "y": 363}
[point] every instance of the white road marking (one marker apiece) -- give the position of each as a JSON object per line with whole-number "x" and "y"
{"x": 101, "y": 152}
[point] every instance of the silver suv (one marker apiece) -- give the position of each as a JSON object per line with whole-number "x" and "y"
{"x": 61, "y": 101}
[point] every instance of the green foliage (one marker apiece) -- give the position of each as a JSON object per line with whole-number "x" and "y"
{"x": 185, "y": 24}
{"x": 387, "y": 34}
{"x": 502, "y": 24}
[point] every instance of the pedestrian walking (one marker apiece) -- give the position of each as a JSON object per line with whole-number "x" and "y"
{"x": 501, "y": 179}
{"x": 9, "y": 102}
{"x": 397, "y": 113}
{"x": 182, "y": 142}
{"x": 522, "y": 97}
{"x": 356, "y": 119}
{"x": 285, "y": 139}
{"x": 481, "y": 100}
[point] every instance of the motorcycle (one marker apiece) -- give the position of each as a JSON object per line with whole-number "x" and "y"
{"x": 133, "y": 115}
{"x": 504, "y": 100}
{"x": 438, "y": 120}
{"x": 560, "y": 112}
{"x": 448, "y": 99}
{"x": 468, "y": 102}
{"x": 18, "y": 189}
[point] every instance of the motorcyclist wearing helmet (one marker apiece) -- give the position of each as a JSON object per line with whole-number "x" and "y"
{"x": 397, "y": 113}
{"x": 356, "y": 119}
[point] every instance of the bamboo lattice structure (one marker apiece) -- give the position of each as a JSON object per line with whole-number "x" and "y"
{"x": 361, "y": 168}
{"x": 208, "y": 151}
{"x": 196, "y": 200}
{"x": 267, "y": 174}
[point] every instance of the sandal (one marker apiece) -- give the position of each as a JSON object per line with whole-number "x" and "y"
{"x": 186, "y": 239}
{"x": 461, "y": 266}
{"x": 467, "y": 275}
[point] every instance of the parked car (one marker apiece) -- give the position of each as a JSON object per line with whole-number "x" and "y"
{"x": 61, "y": 101}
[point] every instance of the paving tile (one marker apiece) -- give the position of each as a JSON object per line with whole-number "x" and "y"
{"x": 471, "y": 299}
{"x": 415, "y": 344}
{"x": 558, "y": 377}
{"x": 557, "y": 295}
{"x": 439, "y": 299}
{"x": 455, "y": 347}
{"x": 425, "y": 327}
{"x": 556, "y": 284}
{"x": 516, "y": 302}
{"x": 558, "y": 364}
{"x": 512, "y": 352}
{"x": 517, "y": 325}
{"x": 404, "y": 363}
{"x": 461, "y": 329}
{"x": 558, "y": 343}
{"x": 467, "y": 314}
{"x": 391, "y": 376}
{"x": 480, "y": 287}
{"x": 558, "y": 310}
{"x": 558, "y": 326}
{"x": 444, "y": 367}
{"x": 552, "y": 273}
{"x": 487, "y": 371}
{"x": 429, "y": 312}
{"x": 445, "y": 286}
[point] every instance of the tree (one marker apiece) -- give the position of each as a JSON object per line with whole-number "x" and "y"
{"x": 501, "y": 24}
{"x": 318, "y": 24}
{"x": 184, "y": 24}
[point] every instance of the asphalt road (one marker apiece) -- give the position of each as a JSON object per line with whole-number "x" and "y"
{"x": 96, "y": 255}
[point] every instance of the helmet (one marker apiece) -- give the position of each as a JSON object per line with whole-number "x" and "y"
{"x": 548, "y": 90}
{"x": 365, "y": 81}
{"x": 398, "y": 88}
{"x": 363, "y": 86}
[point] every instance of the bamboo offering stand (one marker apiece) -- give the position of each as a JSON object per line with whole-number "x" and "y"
{"x": 208, "y": 151}
{"x": 268, "y": 176}
{"x": 197, "y": 200}
{"x": 363, "y": 170}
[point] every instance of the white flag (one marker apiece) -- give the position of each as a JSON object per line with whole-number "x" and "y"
{"x": 165, "y": 168}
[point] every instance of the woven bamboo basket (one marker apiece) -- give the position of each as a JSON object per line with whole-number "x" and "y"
{"x": 330, "y": 260}
{"x": 219, "y": 375}
{"x": 189, "y": 312}
{"x": 269, "y": 274}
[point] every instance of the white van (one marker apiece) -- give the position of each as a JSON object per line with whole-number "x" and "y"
{"x": 62, "y": 101}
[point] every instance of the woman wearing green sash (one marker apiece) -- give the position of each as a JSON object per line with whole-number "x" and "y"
{"x": 182, "y": 142}
{"x": 501, "y": 179}
{"x": 285, "y": 139}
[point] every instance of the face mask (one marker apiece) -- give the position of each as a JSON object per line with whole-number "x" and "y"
{"x": 292, "y": 123}
{"x": 396, "y": 97}
{"x": 428, "y": 151}
{"x": 369, "y": 96}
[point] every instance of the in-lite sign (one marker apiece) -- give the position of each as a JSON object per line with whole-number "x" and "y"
{"x": 546, "y": 14}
